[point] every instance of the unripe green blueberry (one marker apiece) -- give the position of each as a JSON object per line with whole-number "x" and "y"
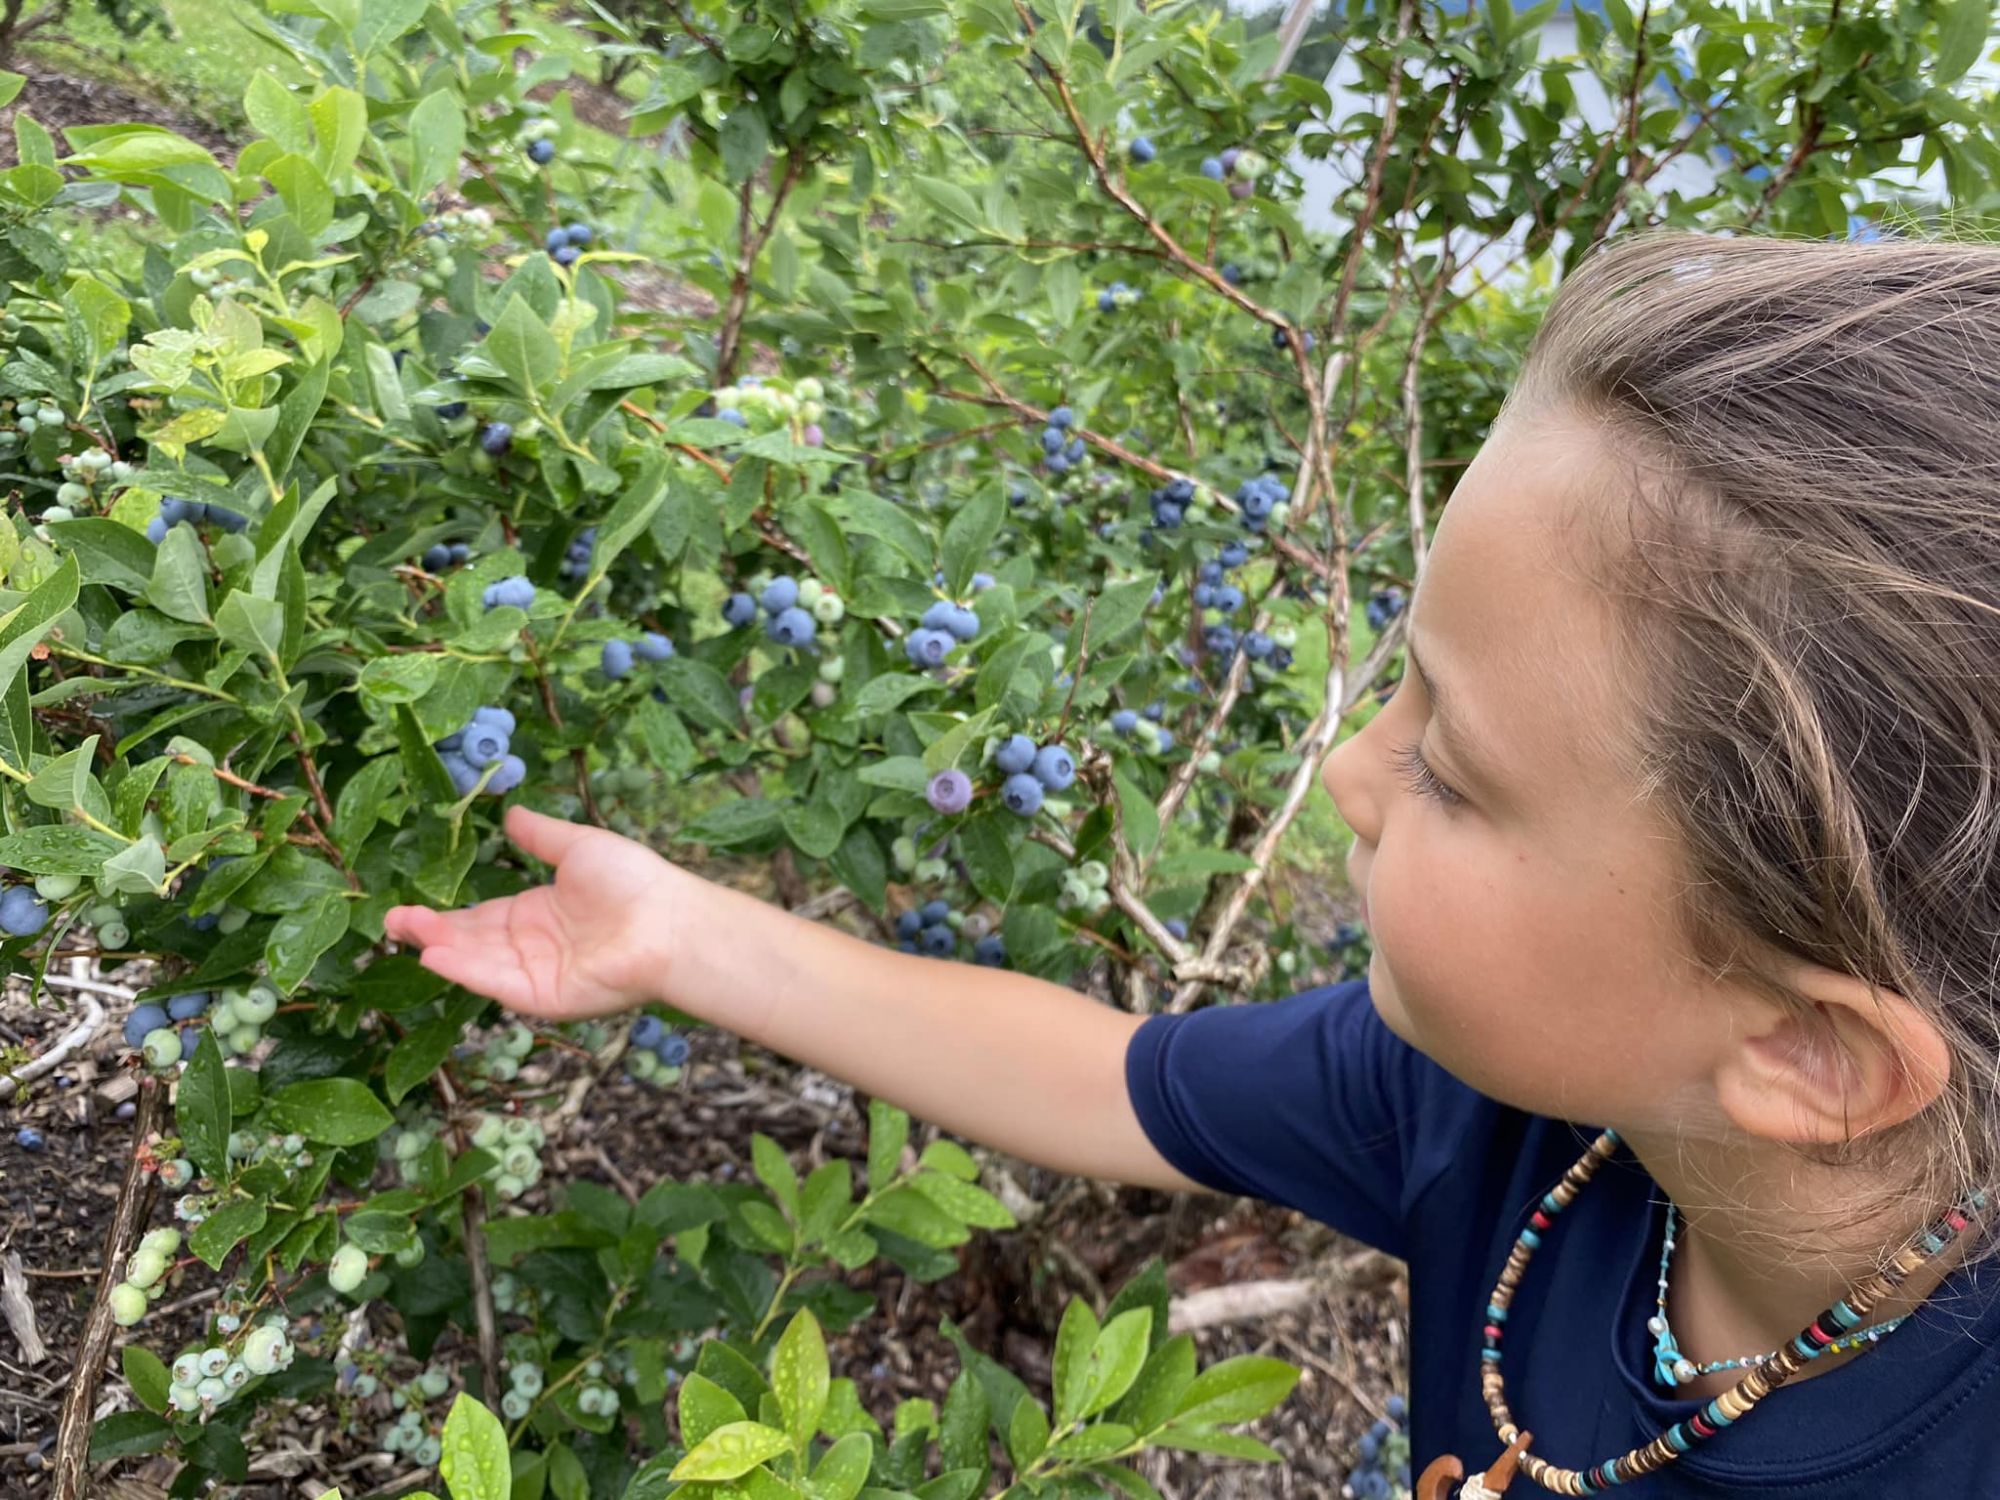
{"x": 1281, "y": 515}
{"x": 503, "y": 1069}
{"x": 489, "y": 1133}
{"x": 187, "y": 1369}
{"x": 409, "y": 1146}
{"x": 236, "y": 1375}
{"x": 1286, "y": 636}
{"x": 824, "y": 695}
{"x": 811, "y": 411}
{"x": 145, "y": 1267}
{"x": 184, "y": 1398}
{"x": 509, "y": 1187}
{"x": 366, "y": 1385}
{"x": 128, "y": 1304}
{"x": 519, "y": 1160}
{"x": 930, "y": 871}
{"x": 257, "y": 1004}
{"x": 71, "y": 493}
{"x": 428, "y": 1452}
{"x": 1210, "y": 762}
{"x": 411, "y": 1255}
{"x": 58, "y": 513}
{"x": 243, "y": 1039}
{"x": 348, "y": 1269}
{"x": 527, "y": 1379}
{"x": 212, "y": 1391}
{"x": 829, "y": 609}
{"x": 113, "y": 936}
{"x": 1287, "y": 962}
{"x": 263, "y": 1349}
{"x": 811, "y": 591}
{"x": 433, "y": 1383}
{"x": 57, "y": 887}
{"x": 903, "y": 854}
{"x": 28, "y": 425}
{"x": 808, "y": 388}
{"x": 519, "y": 1041}
{"x": 162, "y": 1048}
{"x": 1094, "y": 872}
{"x": 176, "y": 1174}
{"x": 514, "y": 1406}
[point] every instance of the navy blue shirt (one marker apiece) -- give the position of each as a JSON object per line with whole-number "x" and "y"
{"x": 1313, "y": 1103}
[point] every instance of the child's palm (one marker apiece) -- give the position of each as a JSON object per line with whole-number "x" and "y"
{"x": 585, "y": 945}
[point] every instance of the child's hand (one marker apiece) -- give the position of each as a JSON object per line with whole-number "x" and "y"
{"x": 589, "y": 944}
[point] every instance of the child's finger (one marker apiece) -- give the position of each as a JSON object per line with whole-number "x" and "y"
{"x": 498, "y": 977}
{"x": 416, "y": 924}
{"x": 548, "y": 839}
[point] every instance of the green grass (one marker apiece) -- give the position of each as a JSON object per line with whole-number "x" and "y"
{"x": 202, "y": 69}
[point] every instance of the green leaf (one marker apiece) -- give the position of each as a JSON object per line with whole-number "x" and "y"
{"x": 774, "y": 1169}
{"x": 704, "y": 1408}
{"x": 1962, "y": 37}
{"x": 952, "y": 199}
{"x": 962, "y": 1427}
{"x": 276, "y": 114}
{"x": 744, "y": 140}
{"x": 147, "y": 1376}
{"x": 225, "y": 1229}
{"x": 110, "y": 552}
{"x": 437, "y": 138}
{"x": 22, "y": 629}
{"x": 969, "y": 538}
{"x": 298, "y": 181}
{"x": 1027, "y": 1432}
{"x": 126, "y": 1434}
{"x": 338, "y": 1111}
{"x": 475, "y": 1453}
{"x": 1075, "y": 1336}
{"x": 419, "y": 1054}
{"x": 258, "y": 625}
{"x": 97, "y": 318}
{"x": 963, "y": 1201}
{"x": 179, "y": 587}
{"x": 399, "y": 679}
{"x": 1116, "y": 611}
{"x": 888, "y": 1133}
{"x": 843, "y": 1468}
{"x": 1224, "y": 1444}
{"x": 1162, "y": 1382}
{"x": 300, "y": 937}
{"x": 732, "y": 1450}
{"x": 57, "y": 849}
{"x": 1116, "y": 1359}
{"x": 799, "y": 1376}
{"x": 11, "y": 85}
{"x": 201, "y": 1109}
{"x": 522, "y": 346}
{"x": 1237, "y": 1390}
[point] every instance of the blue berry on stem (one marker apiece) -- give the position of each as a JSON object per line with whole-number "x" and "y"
{"x": 949, "y": 792}
{"x": 739, "y": 610}
{"x": 617, "y": 659}
{"x": 654, "y": 647}
{"x": 1055, "y": 767}
{"x": 496, "y": 437}
{"x": 542, "y": 152}
{"x": 1022, "y": 794}
{"x": 1015, "y": 756}
{"x": 793, "y": 627}
{"x": 781, "y": 594}
{"x": 143, "y": 1020}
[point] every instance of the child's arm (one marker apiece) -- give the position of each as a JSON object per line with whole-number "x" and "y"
{"x": 1014, "y": 1062}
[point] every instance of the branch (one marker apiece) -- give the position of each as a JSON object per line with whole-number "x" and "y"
{"x": 135, "y": 1196}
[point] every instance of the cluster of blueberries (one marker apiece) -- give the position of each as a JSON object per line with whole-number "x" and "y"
{"x": 1032, "y": 771}
{"x": 204, "y": 1379}
{"x": 1237, "y": 166}
{"x": 517, "y": 1141}
{"x": 517, "y": 591}
{"x": 1383, "y": 606}
{"x": 658, "y": 1052}
{"x": 1384, "y": 1454}
{"x": 794, "y": 609}
{"x": 1146, "y": 724}
{"x": 1061, "y": 450}
{"x": 237, "y": 1023}
{"x": 495, "y": 438}
{"x": 1115, "y": 296}
{"x": 618, "y": 654}
{"x": 145, "y": 1280}
{"x": 483, "y": 742}
{"x": 933, "y": 930}
{"x": 576, "y": 556}
{"x": 407, "y": 1433}
{"x": 445, "y": 555}
{"x": 566, "y": 243}
{"x": 1258, "y": 496}
{"x": 1170, "y": 502}
{"x": 175, "y": 511}
{"x": 942, "y": 626}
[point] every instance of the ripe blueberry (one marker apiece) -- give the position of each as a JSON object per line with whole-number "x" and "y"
{"x": 739, "y": 610}
{"x": 792, "y": 627}
{"x": 496, "y": 437}
{"x": 1124, "y": 721}
{"x": 1015, "y": 756}
{"x": 653, "y": 646}
{"x": 949, "y": 792}
{"x": 780, "y": 595}
{"x": 541, "y": 152}
{"x": 616, "y": 659}
{"x": 1054, "y": 768}
{"x": 1142, "y": 151}
{"x": 1022, "y": 794}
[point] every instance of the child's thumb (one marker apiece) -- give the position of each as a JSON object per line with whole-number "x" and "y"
{"x": 548, "y": 839}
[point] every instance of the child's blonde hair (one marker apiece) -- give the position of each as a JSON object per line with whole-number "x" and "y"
{"x": 1811, "y": 588}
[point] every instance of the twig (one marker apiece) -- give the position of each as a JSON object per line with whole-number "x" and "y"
{"x": 134, "y": 1201}
{"x": 19, "y": 1311}
{"x": 72, "y": 1042}
{"x": 474, "y": 1230}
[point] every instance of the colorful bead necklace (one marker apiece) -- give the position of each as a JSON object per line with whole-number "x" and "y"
{"x": 1672, "y": 1368}
{"x": 1836, "y": 1323}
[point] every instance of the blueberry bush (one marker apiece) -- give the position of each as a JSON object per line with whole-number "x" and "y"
{"x": 998, "y": 547}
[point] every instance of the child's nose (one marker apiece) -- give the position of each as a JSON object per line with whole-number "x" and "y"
{"x": 1347, "y": 777}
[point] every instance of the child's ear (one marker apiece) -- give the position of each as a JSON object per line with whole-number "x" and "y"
{"x": 1852, "y": 1062}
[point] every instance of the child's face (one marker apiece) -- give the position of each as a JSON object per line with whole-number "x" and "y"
{"x": 1524, "y": 937}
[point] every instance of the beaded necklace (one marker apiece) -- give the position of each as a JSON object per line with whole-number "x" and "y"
{"x": 1673, "y": 1368}
{"x": 1731, "y": 1406}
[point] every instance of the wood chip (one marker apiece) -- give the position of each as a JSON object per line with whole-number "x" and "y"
{"x": 19, "y": 1311}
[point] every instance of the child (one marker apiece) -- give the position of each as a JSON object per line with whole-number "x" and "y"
{"x": 1683, "y": 822}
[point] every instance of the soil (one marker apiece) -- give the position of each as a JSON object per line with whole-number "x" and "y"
{"x": 60, "y": 100}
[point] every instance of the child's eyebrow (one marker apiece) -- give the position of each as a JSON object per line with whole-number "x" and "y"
{"x": 1447, "y": 721}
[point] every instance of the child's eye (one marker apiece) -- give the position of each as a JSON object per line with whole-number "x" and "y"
{"x": 1421, "y": 779}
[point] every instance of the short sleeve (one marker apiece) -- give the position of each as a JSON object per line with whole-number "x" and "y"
{"x": 1310, "y": 1102}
